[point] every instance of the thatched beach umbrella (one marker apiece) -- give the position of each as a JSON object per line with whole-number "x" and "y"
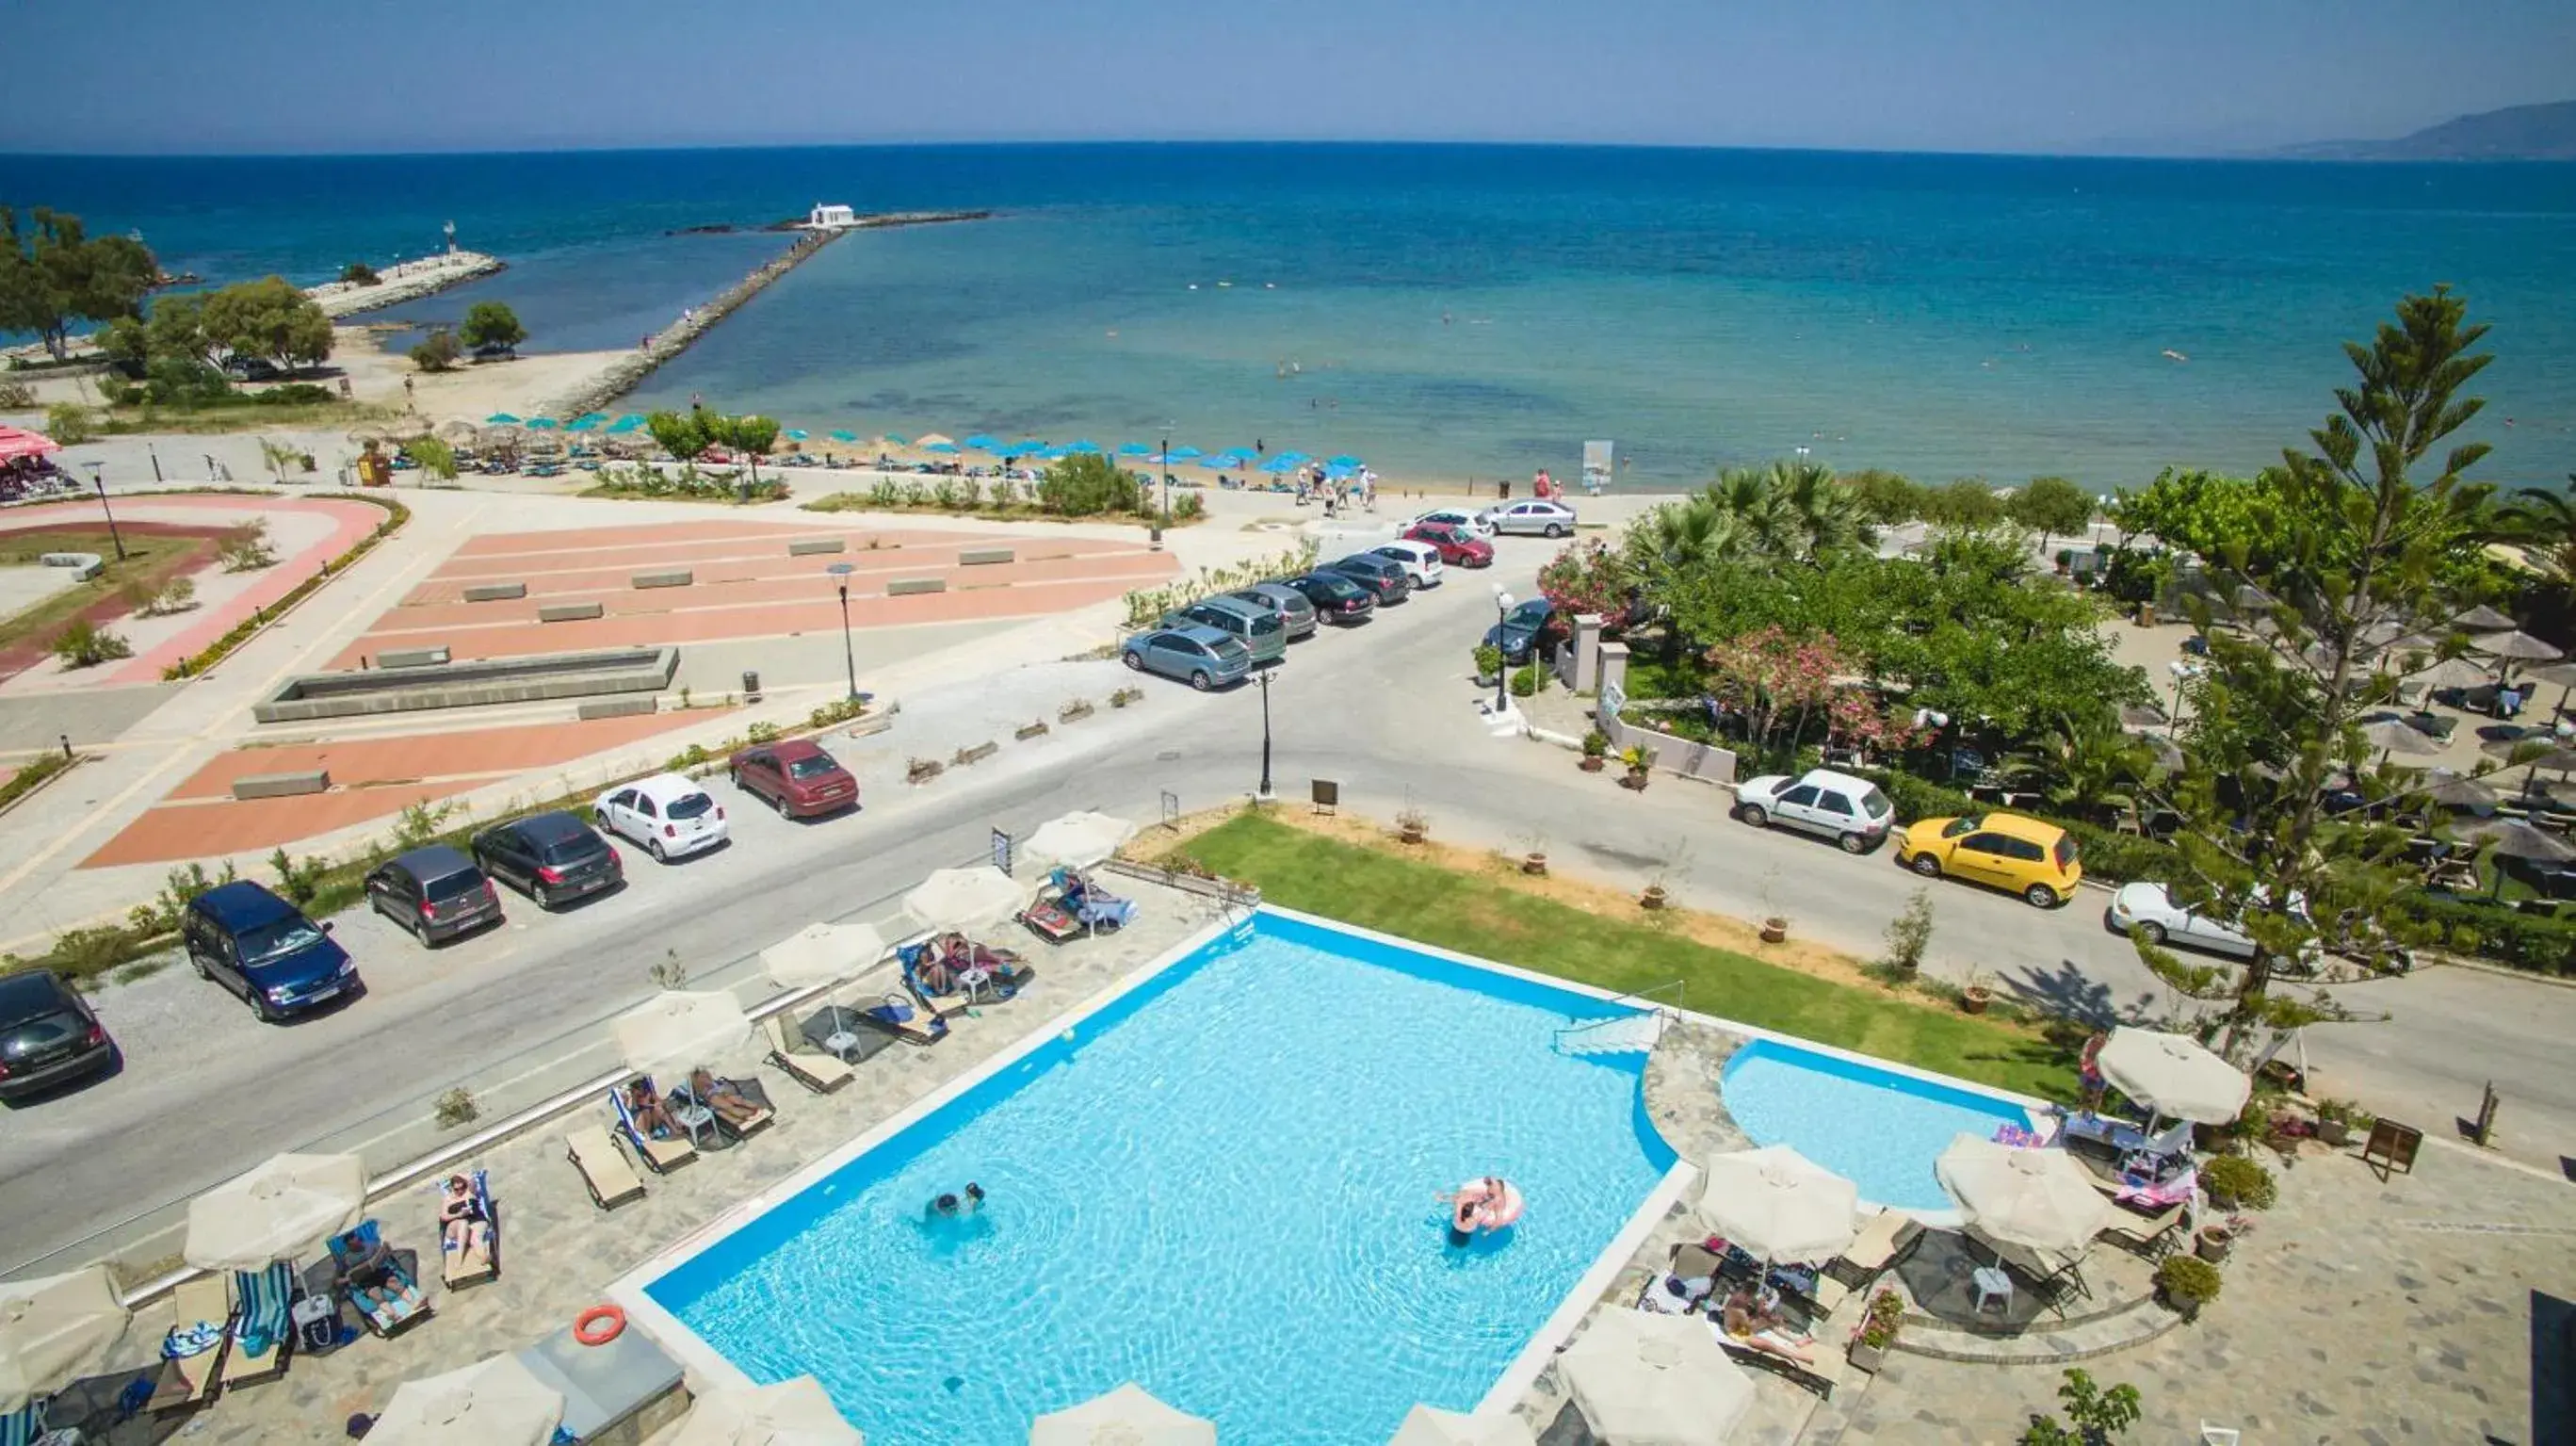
{"x": 2396, "y": 735}
{"x": 2481, "y": 619}
{"x": 2450, "y": 790}
{"x": 2454, "y": 673}
{"x": 2514, "y": 647}
{"x": 457, "y": 431}
{"x": 2511, "y": 838}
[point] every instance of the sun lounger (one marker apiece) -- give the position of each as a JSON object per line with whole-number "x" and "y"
{"x": 473, "y": 1264}
{"x": 2146, "y": 1235}
{"x": 817, "y": 1071}
{"x": 1662, "y": 1299}
{"x": 262, "y": 1334}
{"x": 368, "y": 1269}
{"x": 192, "y": 1354}
{"x": 23, "y": 1426}
{"x": 763, "y": 1115}
{"x": 956, "y": 1000}
{"x": 838, "y": 1031}
{"x": 897, "y": 1015}
{"x": 604, "y": 1171}
{"x": 659, "y": 1155}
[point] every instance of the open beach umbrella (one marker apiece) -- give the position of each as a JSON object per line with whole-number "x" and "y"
{"x": 583, "y": 424}
{"x": 929, "y": 441}
{"x": 500, "y": 419}
{"x": 1239, "y": 454}
{"x": 1128, "y": 1416}
{"x": 984, "y": 442}
{"x": 1343, "y": 461}
{"x": 2396, "y": 735}
{"x": 1428, "y": 1426}
{"x": 1650, "y": 1379}
{"x": 1779, "y": 1205}
{"x": 628, "y": 422}
{"x": 456, "y": 429}
{"x": 2511, "y": 838}
{"x": 965, "y": 900}
{"x": 2455, "y": 673}
{"x": 16, "y": 442}
{"x": 2450, "y": 790}
{"x": 283, "y": 1208}
{"x": 842, "y": 434}
{"x": 795, "y": 434}
{"x": 1077, "y": 840}
{"x": 1134, "y": 449}
{"x": 895, "y": 439}
{"x": 791, "y": 1413}
{"x": 2173, "y": 1075}
{"x": 1183, "y": 454}
{"x": 945, "y": 449}
{"x": 1082, "y": 444}
{"x": 822, "y": 954}
{"x": 1278, "y": 464}
{"x": 55, "y": 1330}
{"x": 2514, "y": 645}
{"x": 1025, "y": 446}
{"x": 541, "y": 424}
{"x": 2040, "y": 1198}
{"x": 494, "y": 1402}
{"x": 679, "y": 1027}
{"x": 2481, "y": 619}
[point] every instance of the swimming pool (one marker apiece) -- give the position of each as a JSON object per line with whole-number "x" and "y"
{"x": 1875, "y": 1127}
{"x": 1218, "y": 1184}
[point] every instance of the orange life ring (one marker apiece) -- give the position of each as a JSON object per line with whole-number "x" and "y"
{"x": 598, "y": 1325}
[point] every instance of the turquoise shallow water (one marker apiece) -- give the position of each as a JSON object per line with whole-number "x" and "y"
{"x": 1480, "y": 310}
{"x": 1876, "y": 1128}
{"x": 1222, "y": 1188}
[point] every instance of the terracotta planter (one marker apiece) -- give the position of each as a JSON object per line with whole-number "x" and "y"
{"x": 2212, "y": 1243}
{"x": 1774, "y": 930}
{"x": 2334, "y": 1132}
{"x": 2186, "y": 1307}
{"x": 1591, "y": 763}
{"x": 1975, "y": 999}
{"x": 1534, "y": 863}
{"x": 1635, "y": 780}
{"x": 1652, "y": 898}
{"x": 1411, "y": 833}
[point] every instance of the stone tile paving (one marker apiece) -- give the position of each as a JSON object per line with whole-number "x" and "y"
{"x": 2356, "y": 1311}
{"x": 558, "y": 1253}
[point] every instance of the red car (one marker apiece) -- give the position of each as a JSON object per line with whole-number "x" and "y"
{"x": 797, "y": 777}
{"x": 1458, "y": 548}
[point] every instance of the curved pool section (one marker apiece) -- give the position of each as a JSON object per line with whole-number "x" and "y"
{"x": 1218, "y": 1184}
{"x": 1880, "y": 1129}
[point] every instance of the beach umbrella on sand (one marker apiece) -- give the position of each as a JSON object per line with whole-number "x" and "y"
{"x": 794, "y": 434}
{"x": 1077, "y": 840}
{"x": 2039, "y": 1198}
{"x": 2450, "y": 790}
{"x": 2514, "y": 646}
{"x": 791, "y": 1413}
{"x": 1083, "y": 445}
{"x": 1279, "y": 464}
{"x": 494, "y": 1402}
{"x": 541, "y": 424}
{"x": 822, "y": 954}
{"x": 1426, "y": 1426}
{"x": 965, "y": 900}
{"x": 1239, "y": 454}
{"x": 1344, "y": 461}
{"x": 2455, "y": 673}
{"x": 2481, "y": 619}
{"x": 679, "y": 1027}
{"x": 1134, "y": 449}
{"x": 1183, "y": 454}
{"x": 1127, "y": 1416}
{"x": 931, "y": 441}
{"x": 1658, "y": 1380}
{"x": 895, "y": 439}
{"x": 2511, "y": 838}
{"x": 945, "y": 449}
{"x": 1024, "y": 447}
{"x": 583, "y": 424}
{"x": 456, "y": 429}
{"x": 840, "y": 434}
{"x": 2173, "y": 1076}
{"x": 983, "y": 442}
{"x": 2396, "y": 735}
{"x": 630, "y": 422}
{"x": 1779, "y": 1205}
{"x": 55, "y": 1330}
{"x": 500, "y": 419}
{"x": 283, "y": 1208}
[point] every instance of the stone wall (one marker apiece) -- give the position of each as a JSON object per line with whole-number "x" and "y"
{"x": 627, "y": 372}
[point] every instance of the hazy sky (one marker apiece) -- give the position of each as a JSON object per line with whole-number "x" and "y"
{"x": 359, "y": 75}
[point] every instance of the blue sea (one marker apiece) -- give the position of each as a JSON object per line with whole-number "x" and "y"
{"x": 1469, "y": 311}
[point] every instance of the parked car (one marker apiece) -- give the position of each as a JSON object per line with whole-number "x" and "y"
{"x": 263, "y": 948}
{"x": 1335, "y": 598}
{"x": 1420, "y": 561}
{"x": 2149, "y": 912}
{"x": 552, "y": 858}
{"x": 1458, "y": 546}
{"x": 798, "y": 778}
{"x": 1384, "y": 577}
{"x": 669, "y": 815}
{"x": 2005, "y": 850}
{"x": 1850, "y": 811}
{"x": 1197, "y": 655}
{"x": 1296, "y": 615}
{"x": 1465, "y": 519}
{"x": 1519, "y": 631}
{"x": 1254, "y": 626}
{"x": 1530, "y": 519}
{"x": 47, "y": 1034}
{"x": 437, "y": 892}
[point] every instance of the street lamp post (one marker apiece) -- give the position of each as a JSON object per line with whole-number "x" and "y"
{"x": 1502, "y": 613}
{"x": 1163, "y": 464}
{"x": 1265, "y": 735}
{"x": 100, "y": 482}
{"x": 841, "y": 577}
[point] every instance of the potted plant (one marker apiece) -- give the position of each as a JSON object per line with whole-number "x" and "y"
{"x": 1774, "y": 929}
{"x": 1411, "y": 826}
{"x": 1877, "y": 1331}
{"x": 1977, "y": 995}
{"x": 1489, "y": 662}
{"x": 1534, "y": 863}
{"x": 2212, "y": 1243}
{"x": 2234, "y": 1180}
{"x": 1651, "y": 897}
{"x": 1640, "y": 762}
{"x": 2335, "y": 1121}
{"x": 1596, "y": 751}
{"x": 2185, "y": 1283}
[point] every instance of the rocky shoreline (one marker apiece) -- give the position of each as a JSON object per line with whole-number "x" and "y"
{"x": 407, "y": 281}
{"x": 623, "y": 375}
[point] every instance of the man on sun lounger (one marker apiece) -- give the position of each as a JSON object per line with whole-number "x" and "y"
{"x": 1751, "y": 1320}
{"x": 731, "y": 1105}
{"x": 375, "y": 1281}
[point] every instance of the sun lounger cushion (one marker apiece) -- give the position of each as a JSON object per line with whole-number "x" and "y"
{"x": 659, "y": 1155}
{"x": 1875, "y": 1246}
{"x": 262, "y": 1332}
{"x": 192, "y": 1353}
{"x": 604, "y": 1172}
{"x": 820, "y": 1072}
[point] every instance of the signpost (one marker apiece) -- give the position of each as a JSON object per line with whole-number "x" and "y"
{"x": 1597, "y": 464}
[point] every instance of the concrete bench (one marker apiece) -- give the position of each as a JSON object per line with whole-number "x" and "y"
{"x": 984, "y": 556}
{"x": 84, "y": 565}
{"x": 808, "y": 546}
{"x": 908, "y": 586}
{"x": 617, "y": 707}
{"x": 412, "y": 657}
{"x": 568, "y": 612}
{"x": 667, "y": 577}
{"x": 496, "y": 591}
{"x": 282, "y": 785}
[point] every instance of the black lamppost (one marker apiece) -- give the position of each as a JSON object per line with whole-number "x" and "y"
{"x": 100, "y": 482}
{"x": 1163, "y": 463}
{"x": 1265, "y": 735}
{"x": 841, "y": 576}
{"x": 1502, "y": 645}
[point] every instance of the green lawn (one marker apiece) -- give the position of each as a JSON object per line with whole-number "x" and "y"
{"x": 1493, "y": 920}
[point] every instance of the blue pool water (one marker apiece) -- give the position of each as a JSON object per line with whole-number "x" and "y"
{"x": 1220, "y": 1186}
{"x": 1877, "y": 1128}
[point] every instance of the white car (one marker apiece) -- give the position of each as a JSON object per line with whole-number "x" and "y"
{"x": 1530, "y": 519}
{"x": 2148, "y": 911}
{"x": 1473, "y": 522}
{"x": 667, "y": 814}
{"x": 1850, "y": 811}
{"x": 1421, "y": 561}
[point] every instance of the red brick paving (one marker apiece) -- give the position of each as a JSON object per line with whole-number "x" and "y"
{"x": 434, "y": 755}
{"x": 350, "y": 522}
{"x": 164, "y": 835}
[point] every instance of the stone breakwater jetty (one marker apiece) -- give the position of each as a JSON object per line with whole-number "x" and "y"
{"x": 622, "y": 375}
{"x": 406, "y": 281}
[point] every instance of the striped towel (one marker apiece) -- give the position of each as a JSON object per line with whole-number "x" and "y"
{"x": 265, "y": 1296}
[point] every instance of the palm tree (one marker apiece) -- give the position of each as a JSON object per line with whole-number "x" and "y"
{"x": 1824, "y": 514}
{"x": 2544, "y": 520}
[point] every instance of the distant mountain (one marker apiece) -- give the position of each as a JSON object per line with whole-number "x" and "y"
{"x": 2516, "y": 133}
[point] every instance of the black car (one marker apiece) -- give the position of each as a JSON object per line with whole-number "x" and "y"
{"x": 1337, "y": 599}
{"x": 436, "y": 892}
{"x": 550, "y": 857}
{"x": 47, "y": 1034}
{"x": 1384, "y": 577}
{"x": 264, "y": 949}
{"x": 1520, "y": 630}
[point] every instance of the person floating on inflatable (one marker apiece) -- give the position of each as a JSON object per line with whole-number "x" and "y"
{"x": 1487, "y": 1203}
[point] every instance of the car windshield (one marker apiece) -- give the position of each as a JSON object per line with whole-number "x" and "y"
{"x": 455, "y": 885}
{"x": 1875, "y": 804}
{"x": 1336, "y": 588}
{"x": 1970, "y": 824}
{"x": 1530, "y": 614}
{"x": 812, "y": 767}
{"x": 688, "y": 806}
{"x": 570, "y": 850}
{"x": 278, "y": 940}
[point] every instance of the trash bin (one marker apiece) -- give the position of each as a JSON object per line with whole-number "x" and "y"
{"x": 750, "y": 686}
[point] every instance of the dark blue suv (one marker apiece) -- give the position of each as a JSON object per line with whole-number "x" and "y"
{"x": 263, "y": 948}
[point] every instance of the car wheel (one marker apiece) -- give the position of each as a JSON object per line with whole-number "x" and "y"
{"x": 1926, "y": 865}
{"x": 420, "y": 931}
{"x": 653, "y": 846}
{"x": 1752, "y": 813}
{"x": 542, "y": 897}
{"x": 1135, "y": 661}
{"x": 2041, "y": 896}
{"x": 262, "y": 1010}
{"x": 734, "y": 777}
{"x": 780, "y": 803}
{"x": 202, "y": 971}
{"x": 2149, "y": 932}
{"x": 1201, "y": 681}
{"x": 1853, "y": 843}
{"x": 1556, "y": 529}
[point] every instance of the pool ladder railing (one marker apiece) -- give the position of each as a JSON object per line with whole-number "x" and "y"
{"x": 1624, "y": 1033}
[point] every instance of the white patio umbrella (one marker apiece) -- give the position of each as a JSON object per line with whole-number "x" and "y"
{"x": 1779, "y": 1205}
{"x": 679, "y": 1027}
{"x": 55, "y": 1330}
{"x": 1077, "y": 840}
{"x": 966, "y": 899}
{"x": 494, "y": 1402}
{"x": 790, "y": 1413}
{"x": 1127, "y": 1416}
{"x": 2173, "y": 1076}
{"x": 1427, "y": 1426}
{"x": 2040, "y": 1198}
{"x": 283, "y": 1208}
{"x": 1645, "y": 1379}
{"x": 822, "y": 954}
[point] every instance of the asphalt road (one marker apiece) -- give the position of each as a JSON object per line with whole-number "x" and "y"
{"x": 1386, "y": 710}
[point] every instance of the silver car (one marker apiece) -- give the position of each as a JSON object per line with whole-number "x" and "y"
{"x": 1295, "y": 613}
{"x": 1529, "y": 519}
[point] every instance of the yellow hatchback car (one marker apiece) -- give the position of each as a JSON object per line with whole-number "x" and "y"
{"x": 2005, "y": 850}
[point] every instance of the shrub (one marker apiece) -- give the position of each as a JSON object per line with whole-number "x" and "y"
{"x": 245, "y": 548}
{"x": 458, "y": 1107}
{"x": 1087, "y": 485}
{"x": 2093, "y": 1416}
{"x": 1886, "y": 1316}
{"x": 84, "y": 644}
{"x": 438, "y": 353}
{"x": 1910, "y": 933}
{"x": 298, "y": 879}
{"x": 1596, "y": 744}
{"x": 1525, "y": 680}
{"x": 70, "y": 423}
{"x": 2238, "y": 1180}
{"x": 1489, "y": 660}
{"x": 2187, "y": 1279}
{"x": 420, "y": 824}
{"x": 359, "y": 273}
{"x": 17, "y": 396}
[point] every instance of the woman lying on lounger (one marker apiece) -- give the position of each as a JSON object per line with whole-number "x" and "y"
{"x": 1754, "y": 1321}
{"x": 646, "y": 1107}
{"x": 461, "y": 1223}
{"x": 731, "y": 1105}
{"x": 960, "y": 953}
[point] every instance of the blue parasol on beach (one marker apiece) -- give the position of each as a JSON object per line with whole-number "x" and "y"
{"x": 1134, "y": 449}
{"x": 1238, "y": 454}
{"x": 628, "y": 423}
{"x": 1279, "y": 464}
{"x": 945, "y": 448}
{"x": 1025, "y": 447}
{"x": 1082, "y": 444}
{"x": 982, "y": 443}
{"x": 542, "y": 424}
{"x": 500, "y": 419}
{"x": 1217, "y": 462}
{"x": 1291, "y": 458}
{"x": 1337, "y": 472}
{"x": 1345, "y": 461}
{"x": 897, "y": 438}
{"x": 1183, "y": 454}
{"x": 838, "y": 434}
{"x": 794, "y": 434}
